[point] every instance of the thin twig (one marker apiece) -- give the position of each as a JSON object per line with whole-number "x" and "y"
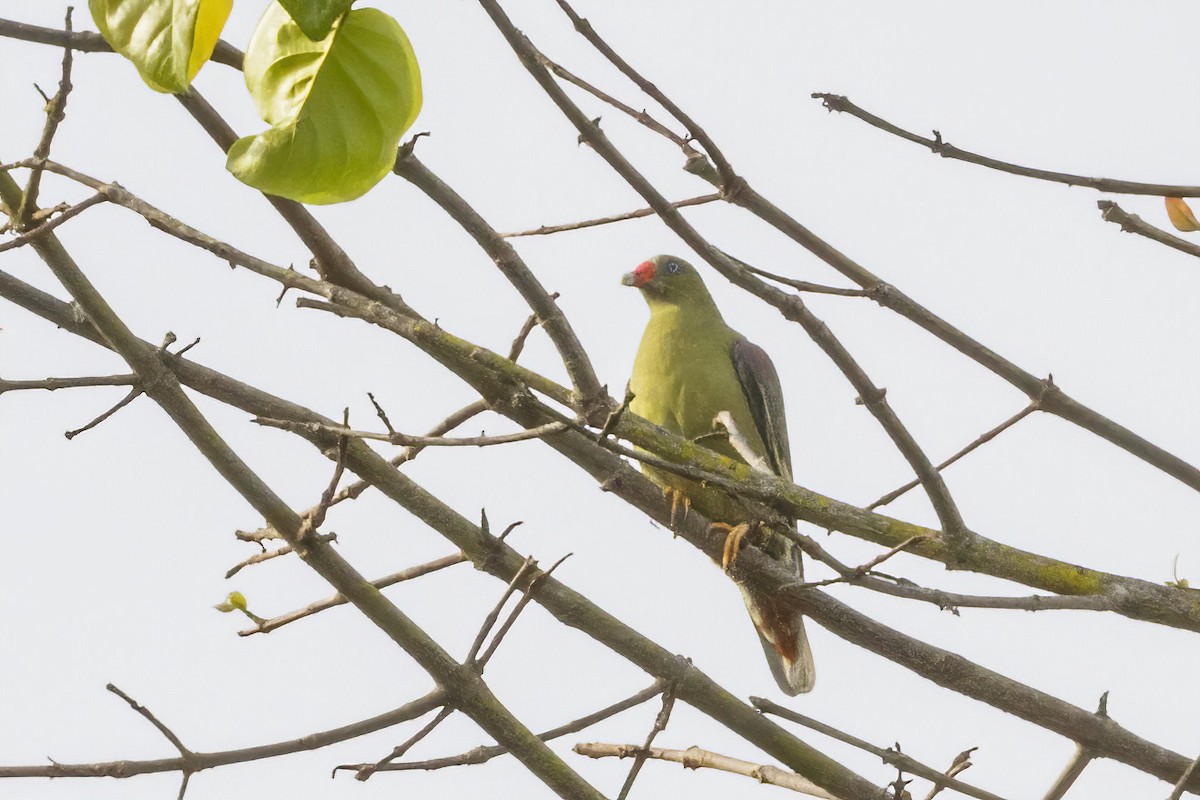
{"x": 729, "y": 180}
{"x": 983, "y": 439}
{"x": 268, "y": 555}
{"x": 490, "y": 620}
{"x": 614, "y": 418}
{"x": 640, "y": 116}
{"x": 937, "y": 145}
{"x": 506, "y": 626}
{"x": 449, "y": 423}
{"x": 697, "y": 758}
{"x": 948, "y": 601}
{"x": 365, "y": 772}
{"x": 318, "y": 606}
{"x": 153, "y": 720}
{"x": 134, "y": 393}
{"x": 660, "y": 724}
{"x": 186, "y": 756}
{"x": 590, "y": 396}
{"x": 862, "y": 570}
{"x": 414, "y": 441}
{"x": 1071, "y": 772}
{"x": 806, "y": 286}
{"x": 202, "y": 761}
{"x": 33, "y": 233}
{"x": 315, "y": 518}
{"x": 591, "y": 223}
{"x": 960, "y": 764}
{"x": 56, "y": 111}
{"x": 482, "y": 754}
{"x": 889, "y": 755}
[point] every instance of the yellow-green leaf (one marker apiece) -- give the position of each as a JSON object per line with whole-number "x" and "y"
{"x": 1181, "y": 215}
{"x": 316, "y": 17}
{"x": 235, "y": 601}
{"x": 337, "y": 107}
{"x": 167, "y": 40}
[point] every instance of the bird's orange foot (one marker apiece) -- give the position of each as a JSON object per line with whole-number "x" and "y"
{"x": 733, "y": 542}
{"x": 679, "y": 503}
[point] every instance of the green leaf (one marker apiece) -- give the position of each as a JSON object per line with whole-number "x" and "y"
{"x": 167, "y": 40}
{"x": 316, "y": 17}
{"x": 337, "y": 107}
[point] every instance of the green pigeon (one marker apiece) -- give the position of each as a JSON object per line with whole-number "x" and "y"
{"x": 690, "y": 368}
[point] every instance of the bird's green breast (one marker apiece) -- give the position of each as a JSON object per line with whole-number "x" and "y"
{"x": 683, "y": 376}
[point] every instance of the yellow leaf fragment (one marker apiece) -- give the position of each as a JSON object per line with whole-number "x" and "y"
{"x": 1181, "y": 215}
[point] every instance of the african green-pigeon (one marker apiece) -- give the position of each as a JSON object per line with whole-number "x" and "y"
{"x": 689, "y": 368}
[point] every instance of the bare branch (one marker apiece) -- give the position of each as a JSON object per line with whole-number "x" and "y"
{"x": 490, "y": 620}
{"x": 591, "y": 223}
{"x": 54, "y": 384}
{"x": 1132, "y": 223}
{"x": 641, "y": 117}
{"x": 167, "y": 733}
{"x": 851, "y": 575}
{"x": 365, "y": 772}
{"x": 415, "y": 441}
{"x": 318, "y": 606}
{"x": 1070, "y": 774}
{"x": 836, "y": 102}
{"x": 889, "y": 755}
{"x": 268, "y": 555}
{"x": 203, "y": 761}
{"x": 34, "y": 233}
{"x": 960, "y": 764}
{"x": 134, "y": 393}
{"x": 696, "y": 758}
{"x": 805, "y": 286}
{"x": 482, "y": 754}
{"x": 88, "y": 42}
{"x": 313, "y": 519}
{"x": 331, "y": 261}
{"x": 981, "y": 440}
{"x": 590, "y": 395}
{"x": 526, "y": 596}
{"x": 660, "y": 724}
{"x": 56, "y": 111}
{"x": 729, "y": 180}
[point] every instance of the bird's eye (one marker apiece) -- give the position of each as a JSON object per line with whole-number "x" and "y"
{"x": 673, "y": 267}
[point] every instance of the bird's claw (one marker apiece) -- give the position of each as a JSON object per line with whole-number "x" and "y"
{"x": 678, "y": 501}
{"x": 733, "y": 543}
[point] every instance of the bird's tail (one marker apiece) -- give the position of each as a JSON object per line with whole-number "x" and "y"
{"x": 784, "y": 642}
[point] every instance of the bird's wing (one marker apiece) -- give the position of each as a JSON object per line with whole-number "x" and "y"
{"x": 760, "y": 384}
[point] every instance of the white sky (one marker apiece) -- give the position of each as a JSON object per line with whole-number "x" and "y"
{"x": 116, "y": 543}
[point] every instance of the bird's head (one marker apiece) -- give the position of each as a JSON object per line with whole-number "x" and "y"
{"x": 668, "y": 280}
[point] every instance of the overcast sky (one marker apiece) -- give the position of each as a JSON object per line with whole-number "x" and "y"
{"x": 116, "y": 543}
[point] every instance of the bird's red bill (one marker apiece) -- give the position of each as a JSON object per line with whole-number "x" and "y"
{"x": 643, "y": 274}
